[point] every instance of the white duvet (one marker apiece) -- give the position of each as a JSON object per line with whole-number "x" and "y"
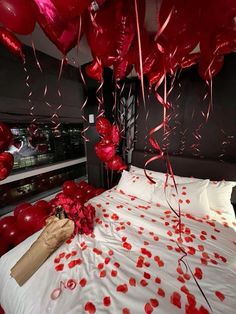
{"x": 130, "y": 265}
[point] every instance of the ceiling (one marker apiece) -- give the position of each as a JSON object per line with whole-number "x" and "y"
{"x": 42, "y": 43}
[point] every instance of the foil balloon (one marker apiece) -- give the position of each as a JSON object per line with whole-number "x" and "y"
{"x": 61, "y": 31}
{"x": 71, "y": 8}
{"x": 94, "y": 70}
{"x": 103, "y": 126}
{"x": 7, "y": 158}
{"x": 105, "y": 152}
{"x": 11, "y": 233}
{"x": 10, "y": 41}
{"x": 17, "y": 16}
{"x": 5, "y": 137}
{"x": 101, "y": 33}
{"x": 116, "y": 164}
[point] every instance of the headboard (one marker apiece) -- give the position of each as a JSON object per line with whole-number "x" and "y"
{"x": 186, "y": 167}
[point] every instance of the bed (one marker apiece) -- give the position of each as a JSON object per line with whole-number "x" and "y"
{"x": 130, "y": 264}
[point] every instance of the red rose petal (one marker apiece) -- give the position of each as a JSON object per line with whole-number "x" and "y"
{"x": 175, "y": 299}
{"x": 122, "y": 288}
{"x": 198, "y": 273}
{"x": 59, "y": 267}
{"x": 146, "y": 275}
{"x": 113, "y": 273}
{"x": 154, "y": 302}
{"x": 143, "y": 283}
{"x": 90, "y": 308}
{"x": 220, "y": 295}
{"x": 103, "y": 273}
{"x": 161, "y": 292}
{"x": 127, "y": 246}
{"x": 132, "y": 281}
{"x": 125, "y": 311}
{"x": 83, "y": 282}
{"x": 148, "y": 308}
{"x": 107, "y": 301}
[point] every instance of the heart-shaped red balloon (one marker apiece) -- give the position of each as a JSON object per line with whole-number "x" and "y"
{"x": 61, "y": 31}
{"x": 105, "y": 152}
{"x": 19, "y": 208}
{"x": 5, "y": 134}
{"x": 94, "y": 70}
{"x": 103, "y": 126}
{"x": 71, "y": 8}
{"x": 116, "y": 164}
{"x": 17, "y": 16}
{"x": 10, "y": 41}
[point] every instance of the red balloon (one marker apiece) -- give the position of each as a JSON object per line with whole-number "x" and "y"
{"x": 116, "y": 163}
{"x": 6, "y": 222}
{"x": 20, "y": 237}
{"x": 103, "y": 126}
{"x": 31, "y": 219}
{"x": 105, "y": 152}
{"x": 43, "y": 206}
{"x": 101, "y": 36}
{"x": 19, "y": 208}
{"x": 62, "y": 32}
{"x": 5, "y": 137}
{"x": 17, "y": 16}
{"x": 11, "y": 233}
{"x": 5, "y": 166}
{"x": 4, "y": 246}
{"x": 7, "y": 158}
{"x": 69, "y": 188}
{"x": 94, "y": 70}
{"x": 71, "y": 8}
{"x": 10, "y": 41}
{"x": 82, "y": 184}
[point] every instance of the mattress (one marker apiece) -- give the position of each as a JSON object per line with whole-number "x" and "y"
{"x": 130, "y": 265}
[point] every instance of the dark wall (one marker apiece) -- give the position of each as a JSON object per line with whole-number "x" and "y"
{"x": 14, "y": 104}
{"x": 190, "y": 134}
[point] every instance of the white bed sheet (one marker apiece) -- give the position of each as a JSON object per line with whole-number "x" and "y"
{"x": 130, "y": 265}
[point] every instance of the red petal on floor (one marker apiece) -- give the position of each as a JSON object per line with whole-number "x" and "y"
{"x": 198, "y": 273}
{"x": 125, "y": 311}
{"x": 161, "y": 292}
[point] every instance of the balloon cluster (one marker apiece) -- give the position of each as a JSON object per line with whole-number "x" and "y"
{"x": 6, "y": 159}
{"x": 30, "y": 218}
{"x": 117, "y": 37}
{"x": 106, "y": 148}
{"x": 27, "y": 220}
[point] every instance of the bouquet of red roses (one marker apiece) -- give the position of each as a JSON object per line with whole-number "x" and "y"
{"x": 83, "y": 216}
{"x": 69, "y": 217}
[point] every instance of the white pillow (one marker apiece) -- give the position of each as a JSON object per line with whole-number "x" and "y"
{"x": 219, "y": 193}
{"x": 192, "y": 197}
{"x": 136, "y": 185}
{"x": 157, "y": 176}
